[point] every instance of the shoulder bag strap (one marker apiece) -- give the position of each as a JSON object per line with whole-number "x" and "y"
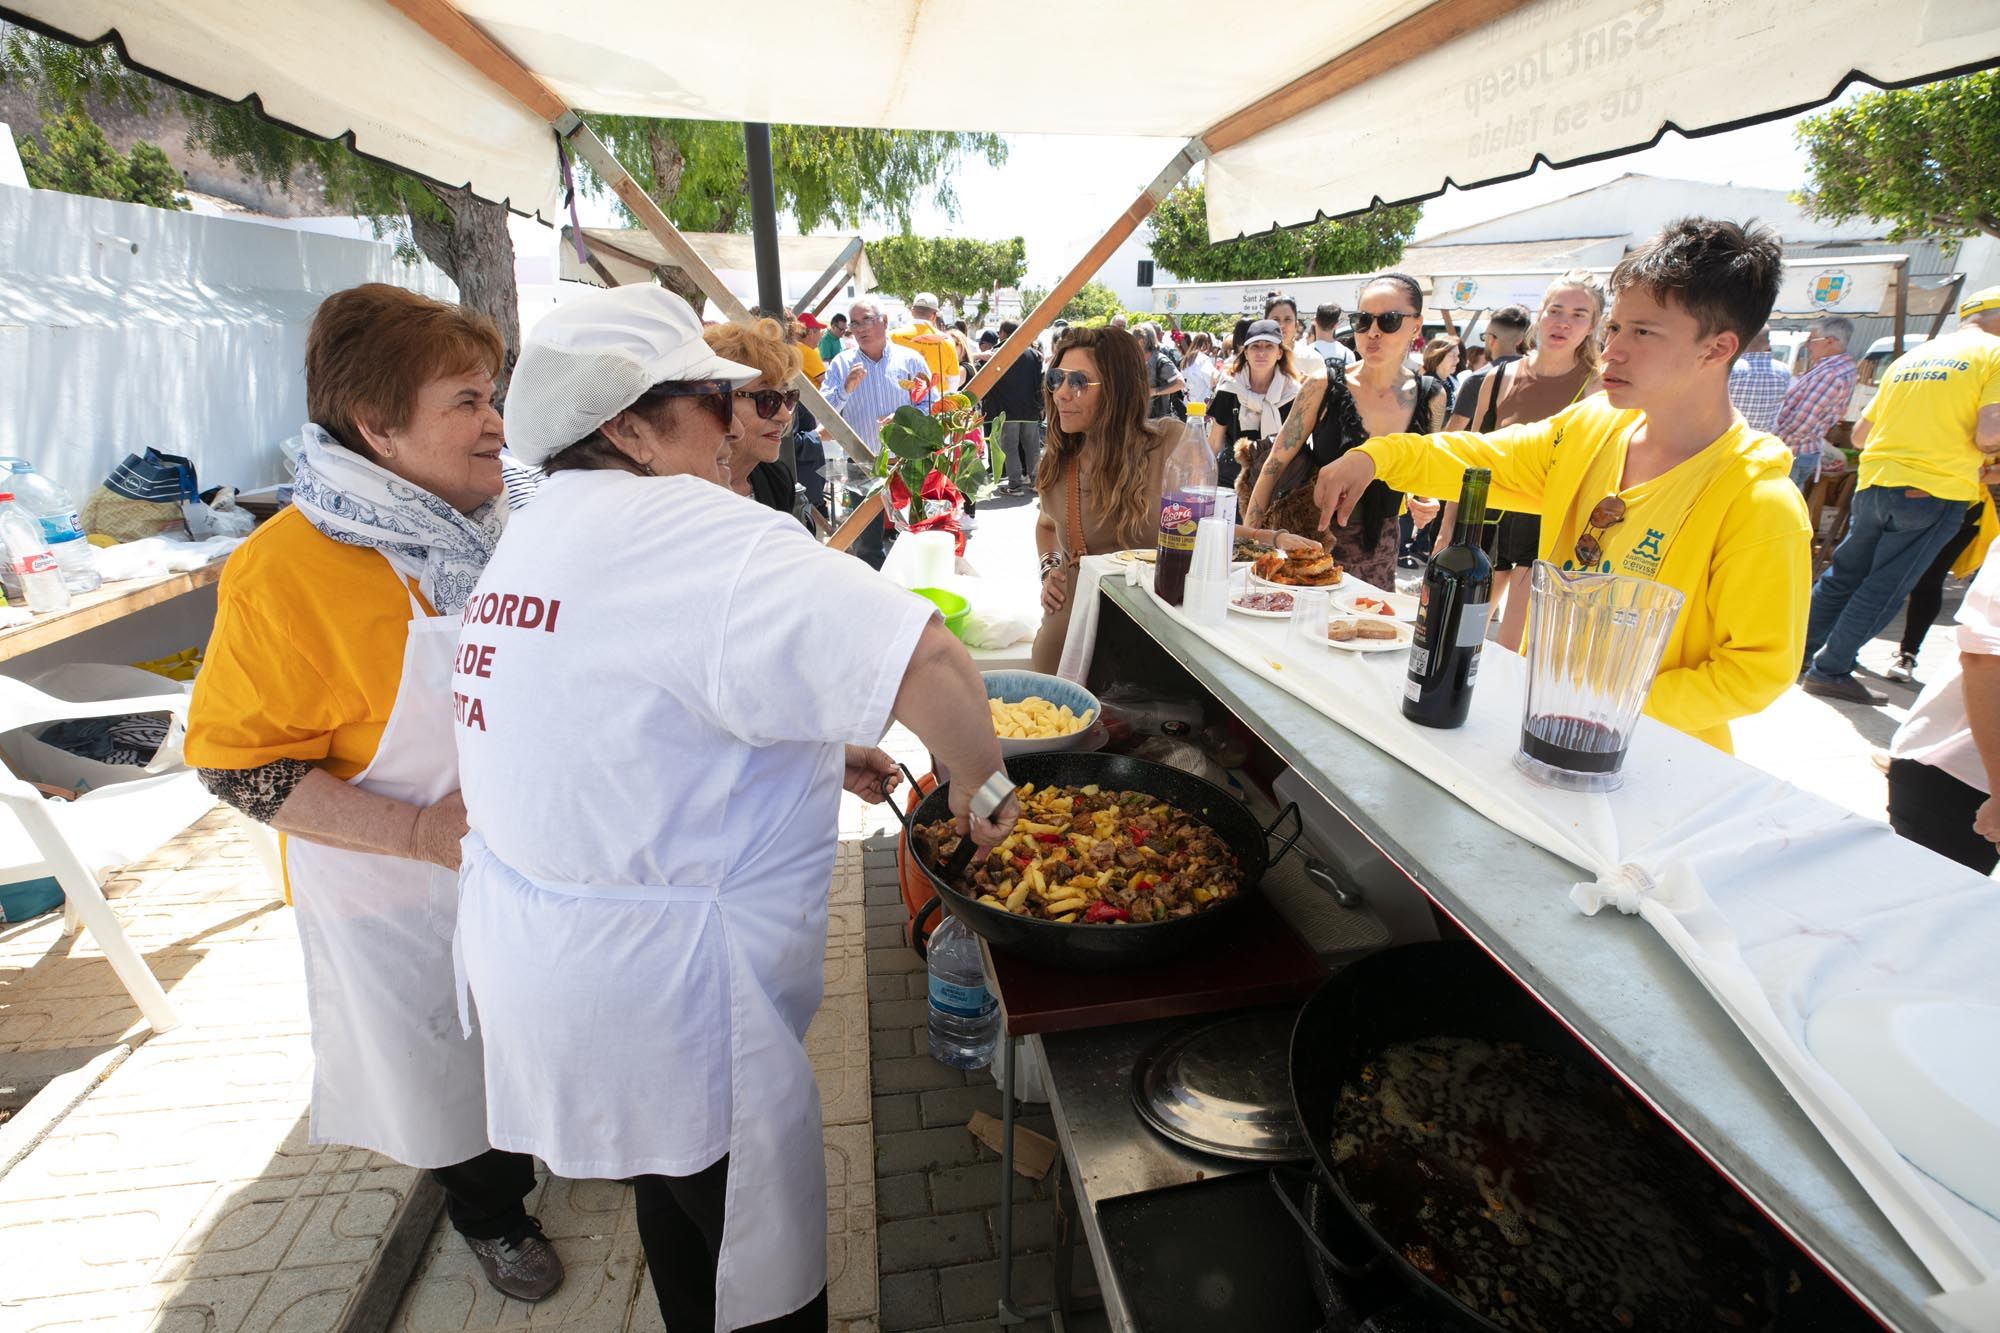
{"x": 1073, "y": 508}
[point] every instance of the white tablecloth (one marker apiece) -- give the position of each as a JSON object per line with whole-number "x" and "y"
{"x": 1782, "y": 904}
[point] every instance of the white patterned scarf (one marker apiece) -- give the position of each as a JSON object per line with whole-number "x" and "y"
{"x": 1257, "y": 413}
{"x": 353, "y": 500}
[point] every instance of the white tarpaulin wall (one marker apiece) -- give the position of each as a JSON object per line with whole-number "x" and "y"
{"x": 1570, "y": 79}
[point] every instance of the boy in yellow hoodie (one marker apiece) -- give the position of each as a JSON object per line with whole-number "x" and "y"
{"x": 1656, "y": 477}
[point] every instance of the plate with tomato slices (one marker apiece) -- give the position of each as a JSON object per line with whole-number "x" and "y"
{"x": 1390, "y": 605}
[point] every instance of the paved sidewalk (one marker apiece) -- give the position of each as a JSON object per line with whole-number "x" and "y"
{"x": 180, "y": 1193}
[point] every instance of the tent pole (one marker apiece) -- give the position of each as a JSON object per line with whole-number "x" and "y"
{"x": 1902, "y": 305}
{"x": 1034, "y": 321}
{"x": 1950, "y": 303}
{"x": 840, "y": 265}
{"x": 833, "y": 293}
{"x": 763, "y": 214}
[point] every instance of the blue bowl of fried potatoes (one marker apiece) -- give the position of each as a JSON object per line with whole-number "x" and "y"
{"x": 1035, "y": 714}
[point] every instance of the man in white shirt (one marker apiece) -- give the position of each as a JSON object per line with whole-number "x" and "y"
{"x": 1325, "y": 342}
{"x": 1940, "y": 794}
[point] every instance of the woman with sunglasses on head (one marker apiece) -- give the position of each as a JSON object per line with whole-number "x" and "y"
{"x": 1099, "y": 476}
{"x": 1377, "y": 395}
{"x": 1657, "y": 477}
{"x": 661, "y": 691}
{"x": 763, "y": 410}
{"x": 1558, "y": 370}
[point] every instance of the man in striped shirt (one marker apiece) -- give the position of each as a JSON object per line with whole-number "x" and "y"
{"x": 1817, "y": 398}
{"x": 870, "y": 380}
{"x": 1757, "y": 384}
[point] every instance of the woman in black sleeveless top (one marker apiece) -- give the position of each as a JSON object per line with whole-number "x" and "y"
{"x": 1378, "y": 395}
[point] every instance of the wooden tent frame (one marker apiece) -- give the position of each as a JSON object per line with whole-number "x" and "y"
{"x": 1425, "y": 30}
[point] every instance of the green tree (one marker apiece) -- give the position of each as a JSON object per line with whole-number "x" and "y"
{"x": 1926, "y": 160}
{"x": 1093, "y": 301}
{"x": 1364, "y": 243}
{"x": 74, "y": 156}
{"x": 697, "y": 172}
{"x": 958, "y": 269}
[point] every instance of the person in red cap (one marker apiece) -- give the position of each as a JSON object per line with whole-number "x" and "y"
{"x": 804, "y": 329}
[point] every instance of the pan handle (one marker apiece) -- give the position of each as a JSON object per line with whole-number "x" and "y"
{"x": 924, "y": 913}
{"x": 1334, "y": 1261}
{"x": 911, "y": 778}
{"x": 1298, "y": 831}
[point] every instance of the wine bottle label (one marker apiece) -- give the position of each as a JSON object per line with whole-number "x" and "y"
{"x": 1420, "y": 665}
{"x": 1472, "y": 624}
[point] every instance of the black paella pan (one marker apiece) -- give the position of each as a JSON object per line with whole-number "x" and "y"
{"x": 1111, "y": 946}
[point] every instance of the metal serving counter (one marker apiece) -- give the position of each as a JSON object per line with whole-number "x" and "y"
{"x": 1612, "y": 981}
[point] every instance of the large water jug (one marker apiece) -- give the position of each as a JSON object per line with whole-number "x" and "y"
{"x": 1594, "y": 646}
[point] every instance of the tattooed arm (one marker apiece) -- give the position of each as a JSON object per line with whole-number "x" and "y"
{"x": 1291, "y": 439}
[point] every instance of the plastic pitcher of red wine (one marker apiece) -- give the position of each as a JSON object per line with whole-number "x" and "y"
{"x": 1594, "y": 644}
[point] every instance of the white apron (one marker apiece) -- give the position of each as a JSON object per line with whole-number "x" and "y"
{"x": 392, "y": 1070}
{"x": 547, "y": 1070}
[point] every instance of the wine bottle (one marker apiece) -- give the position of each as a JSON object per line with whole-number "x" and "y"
{"x": 1451, "y": 620}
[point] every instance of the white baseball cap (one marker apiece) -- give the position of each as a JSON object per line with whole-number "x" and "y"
{"x": 924, "y": 301}
{"x": 591, "y": 358}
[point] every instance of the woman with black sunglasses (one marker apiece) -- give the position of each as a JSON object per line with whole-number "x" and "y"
{"x": 1377, "y": 395}
{"x": 761, "y": 466}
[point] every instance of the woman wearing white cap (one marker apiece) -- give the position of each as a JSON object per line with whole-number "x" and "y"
{"x": 662, "y": 688}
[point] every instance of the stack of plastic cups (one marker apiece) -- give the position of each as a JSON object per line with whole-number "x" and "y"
{"x": 1305, "y": 632}
{"x": 1207, "y": 598}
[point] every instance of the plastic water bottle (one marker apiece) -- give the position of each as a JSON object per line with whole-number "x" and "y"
{"x": 30, "y": 561}
{"x": 62, "y": 528}
{"x": 964, "y": 1017}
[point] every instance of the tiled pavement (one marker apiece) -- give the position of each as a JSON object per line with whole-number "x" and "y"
{"x": 937, "y": 1187}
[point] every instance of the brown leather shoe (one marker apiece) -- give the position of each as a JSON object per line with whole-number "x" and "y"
{"x": 524, "y": 1266}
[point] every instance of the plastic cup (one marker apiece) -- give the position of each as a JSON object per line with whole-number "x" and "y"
{"x": 1305, "y": 632}
{"x": 1214, "y": 541}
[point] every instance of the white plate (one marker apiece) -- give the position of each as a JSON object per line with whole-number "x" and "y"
{"x": 1295, "y": 587}
{"x": 1145, "y": 556}
{"x": 1239, "y": 591}
{"x": 1402, "y": 608}
{"x": 1400, "y": 643}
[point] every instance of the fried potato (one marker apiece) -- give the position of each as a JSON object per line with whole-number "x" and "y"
{"x": 1036, "y": 719}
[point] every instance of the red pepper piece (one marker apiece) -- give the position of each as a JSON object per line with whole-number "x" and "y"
{"x": 1137, "y": 834}
{"x": 1100, "y": 913}
{"x": 1048, "y": 837}
{"x": 1023, "y": 861}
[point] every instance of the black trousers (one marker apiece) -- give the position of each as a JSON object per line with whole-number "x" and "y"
{"x": 1927, "y": 598}
{"x": 482, "y": 1195}
{"x": 1933, "y": 809}
{"x": 680, "y": 1226}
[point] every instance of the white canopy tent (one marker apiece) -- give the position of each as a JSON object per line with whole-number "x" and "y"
{"x": 1301, "y": 111}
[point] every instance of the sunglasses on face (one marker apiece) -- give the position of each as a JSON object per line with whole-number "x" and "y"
{"x": 1075, "y": 379}
{"x": 1363, "y": 321}
{"x": 770, "y": 402}
{"x": 711, "y": 394}
{"x": 1607, "y": 514}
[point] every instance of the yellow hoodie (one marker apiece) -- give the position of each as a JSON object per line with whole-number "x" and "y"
{"x": 1726, "y": 527}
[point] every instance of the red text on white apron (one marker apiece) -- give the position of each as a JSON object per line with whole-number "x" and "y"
{"x": 475, "y": 660}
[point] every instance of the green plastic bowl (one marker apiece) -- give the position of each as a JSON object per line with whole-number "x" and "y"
{"x": 950, "y": 605}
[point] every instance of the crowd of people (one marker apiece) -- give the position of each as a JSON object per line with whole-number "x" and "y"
{"x": 465, "y": 930}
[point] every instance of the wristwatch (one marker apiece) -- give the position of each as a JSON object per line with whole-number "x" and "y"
{"x": 992, "y": 794}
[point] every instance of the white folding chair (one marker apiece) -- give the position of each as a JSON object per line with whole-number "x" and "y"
{"x": 75, "y": 841}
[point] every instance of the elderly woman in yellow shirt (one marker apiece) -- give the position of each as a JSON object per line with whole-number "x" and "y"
{"x": 1658, "y": 477}
{"x": 325, "y": 710}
